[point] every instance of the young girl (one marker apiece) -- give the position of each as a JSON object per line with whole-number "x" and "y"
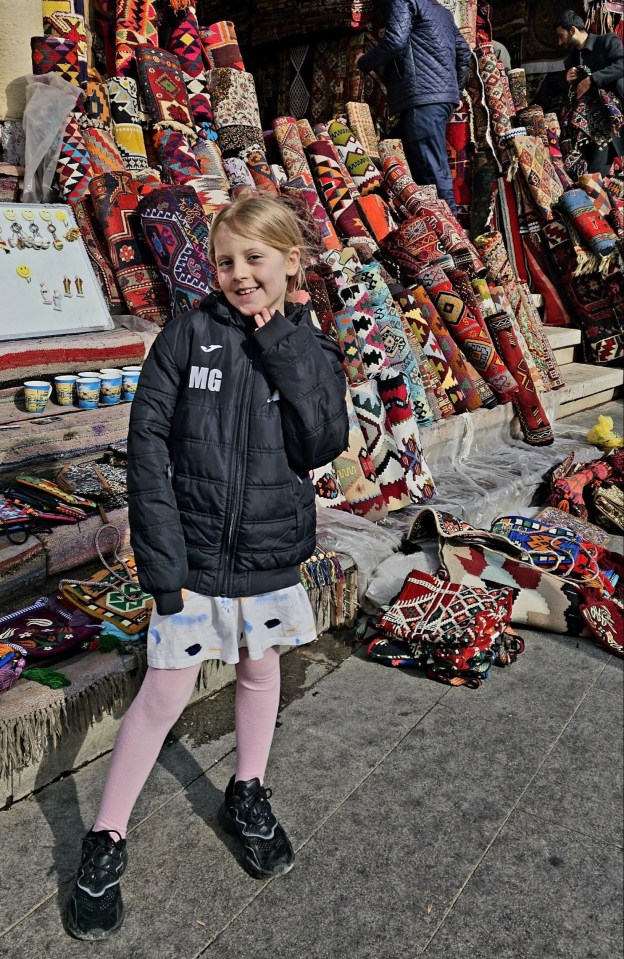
{"x": 237, "y": 401}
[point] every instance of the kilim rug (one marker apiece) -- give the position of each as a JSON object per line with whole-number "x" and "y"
{"x": 350, "y": 345}
{"x": 417, "y": 316}
{"x": 496, "y": 90}
{"x": 353, "y": 155}
{"x": 210, "y": 163}
{"x": 391, "y": 148}
{"x": 534, "y": 422}
{"x": 198, "y": 90}
{"x": 221, "y": 41}
{"x": 288, "y": 139}
{"x": 123, "y": 96}
{"x": 103, "y": 151}
{"x": 381, "y": 445}
{"x": 356, "y": 473}
{"x": 67, "y": 26}
{"x": 343, "y": 263}
{"x": 372, "y": 350}
{"x": 606, "y": 200}
{"x": 112, "y": 600}
{"x": 73, "y": 170}
{"x": 534, "y": 121}
{"x": 327, "y": 489}
{"x": 438, "y": 287}
{"x": 336, "y": 195}
{"x": 596, "y": 301}
{"x": 96, "y": 104}
{"x": 593, "y": 230}
{"x": 397, "y": 347}
{"x": 136, "y": 25}
{"x": 394, "y": 394}
{"x": 595, "y": 117}
{"x": 543, "y": 282}
{"x": 360, "y": 120}
{"x": 468, "y": 326}
{"x": 181, "y": 259}
{"x": 459, "y": 149}
{"x": 163, "y": 89}
{"x": 303, "y": 192}
{"x": 260, "y": 170}
{"x": 54, "y": 55}
{"x": 130, "y": 141}
{"x": 115, "y": 198}
{"x": 439, "y": 402}
{"x": 376, "y": 216}
{"x": 518, "y": 88}
{"x": 493, "y": 251}
{"x": 185, "y": 43}
{"x": 49, "y": 355}
{"x": 530, "y": 158}
{"x": 321, "y": 132}
{"x": 239, "y": 137}
{"x": 176, "y": 157}
{"x": 317, "y": 289}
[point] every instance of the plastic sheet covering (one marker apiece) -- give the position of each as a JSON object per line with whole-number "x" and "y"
{"x": 390, "y": 575}
{"x": 367, "y": 543}
{"x": 49, "y": 101}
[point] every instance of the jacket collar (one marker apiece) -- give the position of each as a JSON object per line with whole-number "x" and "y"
{"x": 590, "y": 42}
{"x": 223, "y": 311}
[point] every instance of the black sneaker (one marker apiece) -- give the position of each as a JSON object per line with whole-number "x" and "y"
{"x": 246, "y": 813}
{"x": 96, "y": 910}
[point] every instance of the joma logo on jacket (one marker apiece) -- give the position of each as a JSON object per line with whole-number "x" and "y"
{"x": 203, "y": 378}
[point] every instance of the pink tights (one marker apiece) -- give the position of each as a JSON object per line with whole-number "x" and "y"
{"x": 158, "y": 704}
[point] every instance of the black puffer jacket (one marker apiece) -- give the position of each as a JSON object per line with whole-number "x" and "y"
{"x": 226, "y": 422}
{"x": 425, "y": 57}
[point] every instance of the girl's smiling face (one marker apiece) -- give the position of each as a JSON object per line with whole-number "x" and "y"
{"x": 252, "y": 275}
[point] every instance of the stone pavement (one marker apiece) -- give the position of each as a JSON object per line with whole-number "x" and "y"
{"x": 427, "y": 820}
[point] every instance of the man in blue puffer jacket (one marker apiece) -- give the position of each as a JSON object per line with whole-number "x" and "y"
{"x": 425, "y": 61}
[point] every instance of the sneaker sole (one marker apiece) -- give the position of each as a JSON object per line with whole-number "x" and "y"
{"x": 248, "y": 864}
{"x": 93, "y": 935}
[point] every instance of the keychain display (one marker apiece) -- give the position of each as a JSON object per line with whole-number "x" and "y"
{"x": 47, "y": 279}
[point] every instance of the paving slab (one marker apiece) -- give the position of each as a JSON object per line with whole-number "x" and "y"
{"x": 541, "y": 892}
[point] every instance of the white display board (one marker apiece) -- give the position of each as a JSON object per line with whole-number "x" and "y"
{"x": 47, "y": 283}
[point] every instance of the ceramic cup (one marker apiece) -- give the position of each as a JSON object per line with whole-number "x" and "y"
{"x": 129, "y": 381}
{"x": 90, "y": 374}
{"x": 65, "y": 389}
{"x": 88, "y": 389}
{"x": 36, "y": 395}
{"x": 131, "y": 369}
{"x": 111, "y": 387}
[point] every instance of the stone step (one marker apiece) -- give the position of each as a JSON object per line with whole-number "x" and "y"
{"x": 587, "y": 387}
{"x": 564, "y": 341}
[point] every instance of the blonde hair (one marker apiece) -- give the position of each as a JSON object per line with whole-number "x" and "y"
{"x": 270, "y": 220}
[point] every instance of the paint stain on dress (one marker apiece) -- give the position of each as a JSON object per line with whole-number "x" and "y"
{"x": 272, "y": 623}
{"x": 193, "y": 650}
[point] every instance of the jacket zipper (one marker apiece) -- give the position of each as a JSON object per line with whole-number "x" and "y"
{"x": 235, "y": 479}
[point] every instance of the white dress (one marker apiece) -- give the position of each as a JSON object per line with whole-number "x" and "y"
{"x": 215, "y": 627}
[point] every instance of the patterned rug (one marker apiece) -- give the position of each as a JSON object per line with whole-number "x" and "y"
{"x": 358, "y": 163}
{"x": 518, "y": 88}
{"x": 336, "y": 194}
{"x": 496, "y": 91}
{"x": 96, "y": 104}
{"x": 416, "y": 317}
{"x": 460, "y": 149}
{"x": 104, "y": 154}
{"x": 381, "y": 445}
{"x": 592, "y": 229}
{"x": 533, "y": 420}
{"x": 136, "y": 25}
{"x": 70, "y": 26}
{"x": 176, "y": 157}
{"x": 73, "y": 170}
{"x": 164, "y": 90}
{"x": 49, "y": 355}
{"x": 55, "y": 55}
{"x": 234, "y": 99}
{"x": 185, "y": 43}
{"x": 397, "y": 347}
{"x": 360, "y": 120}
{"x": 356, "y": 473}
{"x": 355, "y": 297}
{"x": 327, "y": 489}
{"x": 342, "y": 322}
{"x": 530, "y": 158}
{"x": 221, "y": 42}
{"x": 170, "y": 218}
{"x": 394, "y": 394}
{"x": 115, "y": 199}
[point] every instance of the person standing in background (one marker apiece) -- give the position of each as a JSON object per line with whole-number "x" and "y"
{"x": 423, "y": 61}
{"x": 594, "y": 60}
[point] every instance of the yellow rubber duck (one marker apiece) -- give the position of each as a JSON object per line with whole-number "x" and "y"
{"x": 603, "y": 436}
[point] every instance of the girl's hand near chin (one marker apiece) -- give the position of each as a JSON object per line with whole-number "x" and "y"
{"x": 263, "y": 317}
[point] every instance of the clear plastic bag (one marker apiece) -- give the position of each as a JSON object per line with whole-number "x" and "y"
{"x": 49, "y": 101}
{"x": 367, "y": 543}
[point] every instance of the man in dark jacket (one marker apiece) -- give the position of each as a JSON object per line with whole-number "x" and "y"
{"x": 594, "y": 60}
{"x": 426, "y": 62}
